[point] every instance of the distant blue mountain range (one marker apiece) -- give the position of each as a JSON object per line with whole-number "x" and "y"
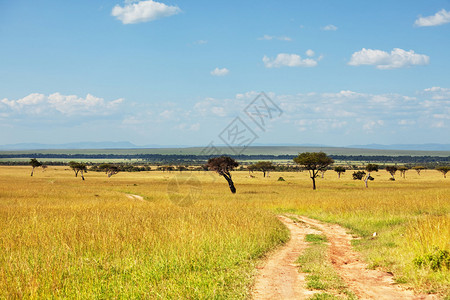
{"x": 128, "y": 145}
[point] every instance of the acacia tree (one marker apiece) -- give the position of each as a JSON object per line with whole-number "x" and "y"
{"x": 34, "y": 164}
{"x": 263, "y": 166}
{"x": 109, "y": 169}
{"x": 403, "y": 170}
{"x": 251, "y": 168}
{"x": 339, "y": 170}
{"x": 418, "y": 169}
{"x": 82, "y": 168}
{"x": 444, "y": 170}
{"x": 314, "y": 162}
{"x": 370, "y": 168}
{"x": 223, "y": 165}
{"x": 74, "y": 166}
{"x": 391, "y": 170}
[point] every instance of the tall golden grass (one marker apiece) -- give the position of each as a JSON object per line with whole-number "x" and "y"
{"x": 62, "y": 237}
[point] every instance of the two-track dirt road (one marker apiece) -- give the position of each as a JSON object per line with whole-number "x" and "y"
{"x": 280, "y": 277}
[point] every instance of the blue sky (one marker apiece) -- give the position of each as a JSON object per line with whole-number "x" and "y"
{"x": 178, "y": 72}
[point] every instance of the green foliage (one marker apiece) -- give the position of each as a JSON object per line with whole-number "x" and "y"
{"x": 313, "y": 160}
{"x": 262, "y": 166}
{"x": 443, "y": 169}
{"x": 372, "y": 168}
{"x": 281, "y": 179}
{"x": 358, "y": 175}
{"x": 436, "y": 260}
{"x": 35, "y": 163}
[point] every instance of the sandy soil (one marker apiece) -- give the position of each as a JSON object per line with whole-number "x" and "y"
{"x": 280, "y": 277}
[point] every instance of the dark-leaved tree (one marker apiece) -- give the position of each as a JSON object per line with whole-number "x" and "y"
{"x": 78, "y": 167}
{"x": 263, "y": 166}
{"x": 444, "y": 170}
{"x": 34, "y": 164}
{"x": 314, "y": 162}
{"x": 418, "y": 169}
{"x": 370, "y": 168}
{"x": 223, "y": 165}
{"x": 339, "y": 170}
{"x": 391, "y": 170}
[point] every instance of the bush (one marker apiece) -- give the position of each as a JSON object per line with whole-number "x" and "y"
{"x": 358, "y": 175}
{"x": 435, "y": 260}
{"x": 281, "y": 179}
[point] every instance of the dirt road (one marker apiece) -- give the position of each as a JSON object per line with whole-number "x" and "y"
{"x": 280, "y": 277}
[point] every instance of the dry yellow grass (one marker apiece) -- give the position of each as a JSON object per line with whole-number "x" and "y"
{"x": 62, "y": 237}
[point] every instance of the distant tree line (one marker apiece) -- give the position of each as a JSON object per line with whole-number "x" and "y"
{"x": 198, "y": 159}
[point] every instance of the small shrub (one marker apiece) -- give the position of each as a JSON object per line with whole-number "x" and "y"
{"x": 436, "y": 260}
{"x": 281, "y": 179}
{"x": 358, "y": 175}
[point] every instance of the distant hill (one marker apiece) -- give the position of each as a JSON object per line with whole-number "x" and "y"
{"x": 416, "y": 147}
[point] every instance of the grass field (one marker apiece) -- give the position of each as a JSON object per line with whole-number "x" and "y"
{"x": 64, "y": 237}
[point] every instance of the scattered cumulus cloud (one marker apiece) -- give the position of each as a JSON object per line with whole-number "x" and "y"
{"x": 330, "y": 27}
{"x": 271, "y": 37}
{"x": 220, "y": 72}
{"x": 56, "y": 103}
{"x": 439, "y": 18}
{"x": 397, "y": 58}
{"x": 288, "y": 60}
{"x": 310, "y": 53}
{"x": 143, "y": 11}
{"x": 438, "y": 93}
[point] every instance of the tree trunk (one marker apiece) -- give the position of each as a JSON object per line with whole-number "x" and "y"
{"x": 81, "y": 173}
{"x": 314, "y": 182}
{"x": 339, "y": 175}
{"x": 32, "y": 171}
{"x": 264, "y": 173}
{"x": 230, "y": 182}
{"x": 367, "y": 179}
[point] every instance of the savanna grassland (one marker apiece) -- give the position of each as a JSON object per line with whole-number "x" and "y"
{"x": 67, "y": 238}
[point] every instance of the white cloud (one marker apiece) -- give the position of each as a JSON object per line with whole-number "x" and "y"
{"x": 288, "y": 60}
{"x": 220, "y": 72}
{"x": 201, "y": 42}
{"x": 398, "y": 58}
{"x": 309, "y": 52}
{"x": 439, "y": 18}
{"x": 330, "y": 27}
{"x": 271, "y": 37}
{"x": 68, "y": 105}
{"x": 438, "y": 93}
{"x": 143, "y": 11}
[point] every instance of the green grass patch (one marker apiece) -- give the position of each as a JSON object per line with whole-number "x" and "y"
{"x": 321, "y": 275}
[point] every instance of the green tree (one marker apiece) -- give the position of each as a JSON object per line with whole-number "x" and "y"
{"x": 391, "y": 170}
{"x": 74, "y": 166}
{"x": 358, "y": 175}
{"x": 34, "y": 164}
{"x": 223, "y": 165}
{"x": 418, "y": 169}
{"x": 370, "y": 168}
{"x": 339, "y": 170}
{"x": 314, "y": 162}
{"x": 444, "y": 170}
{"x": 264, "y": 166}
{"x": 403, "y": 170}
{"x": 109, "y": 169}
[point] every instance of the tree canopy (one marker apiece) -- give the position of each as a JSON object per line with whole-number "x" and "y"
{"x": 223, "y": 165}
{"x": 314, "y": 162}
